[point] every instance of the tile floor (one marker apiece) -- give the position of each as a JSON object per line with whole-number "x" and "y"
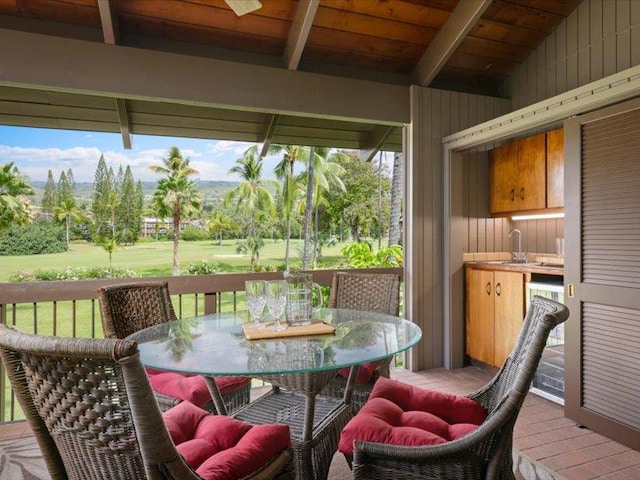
{"x": 548, "y": 445}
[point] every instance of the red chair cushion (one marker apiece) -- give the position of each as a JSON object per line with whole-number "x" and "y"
{"x": 219, "y": 447}
{"x": 365, "y": 372}
{"x": 192, "y": 388}
{"x": 401, "y": 414}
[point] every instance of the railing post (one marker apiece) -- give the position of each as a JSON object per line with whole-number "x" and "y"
{"x": 210, "y": 303}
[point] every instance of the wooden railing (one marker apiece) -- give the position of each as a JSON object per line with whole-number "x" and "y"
{"x": 70, "y": 308}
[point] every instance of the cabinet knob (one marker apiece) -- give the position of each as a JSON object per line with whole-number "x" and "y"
{"x": 487, "y": 288}
{"x": 498, "y": 289}
{"x": 522, "y": 193}
{"x": 512, "y": 194}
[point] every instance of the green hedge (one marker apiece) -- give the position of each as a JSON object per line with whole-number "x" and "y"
{"x": 41, "y": 236}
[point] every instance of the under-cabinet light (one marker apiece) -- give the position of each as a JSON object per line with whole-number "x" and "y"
{"x": 538, "y": 216}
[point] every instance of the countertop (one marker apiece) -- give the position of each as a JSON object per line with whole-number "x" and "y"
{"x": 532, "y": 267}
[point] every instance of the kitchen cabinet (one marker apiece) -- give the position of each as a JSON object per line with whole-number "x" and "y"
{"x": 555, "y": 168}
{"x": 495, "y": 308}
{"x": 517, "y": 176}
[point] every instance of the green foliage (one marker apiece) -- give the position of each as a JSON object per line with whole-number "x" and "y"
{"x": 263, "y": 268}
{"x": 192, "y": 234}
{"x": 79, "y": 273}
{"x": 49, "y": 195}
{"x": 15, "y": 207}
{"x": 361, "y": 255}
{"x": 43, "y": 236}
{"x": 203, "y": 267}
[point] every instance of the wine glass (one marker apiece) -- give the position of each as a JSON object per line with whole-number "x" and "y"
{"x": 256, "y": 300}
{"x": 276, "y": 302}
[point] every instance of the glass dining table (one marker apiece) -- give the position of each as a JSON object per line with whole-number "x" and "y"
{"x": 298, "y": 367}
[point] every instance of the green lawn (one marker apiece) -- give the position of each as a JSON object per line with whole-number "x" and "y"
{"x": 154, "y": 258}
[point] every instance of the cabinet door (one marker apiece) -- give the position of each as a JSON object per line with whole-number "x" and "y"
{"x": 531, "y": 193}
{"x": 555, "y": 168}
{"x": 509, "y": 313}
{"x": 479, "y": 322}
{"x": 503, "y": 178}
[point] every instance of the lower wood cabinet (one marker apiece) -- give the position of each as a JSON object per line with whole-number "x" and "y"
{"x": 495, "y": 308}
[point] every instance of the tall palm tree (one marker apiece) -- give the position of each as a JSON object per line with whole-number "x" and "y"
{"x": 67, "y": 210}
{"x": 15, "y": 207}
{"x": 323, "y": 170}
{"x": 395, "y": 232}
{"x": 252, "y": 195}
{"x": 177, "y": 193}
{"x": 290, "y": 187}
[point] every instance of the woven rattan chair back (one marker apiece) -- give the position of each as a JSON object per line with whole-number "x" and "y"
{"x": 487, "y": 451}
{"x": 87, "y": 402}
{"x": 371, "y": 292}
{"x": 128, "y": 308}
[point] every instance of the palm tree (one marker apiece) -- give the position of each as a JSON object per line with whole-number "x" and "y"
{"x": 395, "y": 233}
{"x": 221, "y": 223}
{"x": 252, "y": 195}
{"x": 290, "y": 187}
{"x": 323, "y": 170}
{"x": 177, "y": 193}
{"x": 66, "y": 210}
{"x": 15, "y": 207}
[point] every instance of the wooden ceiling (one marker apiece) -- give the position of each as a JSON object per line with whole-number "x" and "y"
{"x": 381, "y": 40}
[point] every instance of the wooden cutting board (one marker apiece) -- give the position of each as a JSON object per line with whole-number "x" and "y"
{"x": 316, "y": 328}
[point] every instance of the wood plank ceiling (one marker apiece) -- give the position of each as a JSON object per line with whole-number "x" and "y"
{"x": 393, "y": 41}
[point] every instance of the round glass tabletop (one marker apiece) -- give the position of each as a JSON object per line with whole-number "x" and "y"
{"x": 215, "y": 344}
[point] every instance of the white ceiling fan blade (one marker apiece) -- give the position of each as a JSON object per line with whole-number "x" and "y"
{"x": 242, "y": 7}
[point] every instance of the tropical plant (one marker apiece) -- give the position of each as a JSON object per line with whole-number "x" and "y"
{"x": 290, "y": 187}
{"x": 15, "y": 208}
{"x": 361, "y": 255}
{"x": 67, "y": 210}
{"x": 220, "y": 224}
{"x": 41, "y": 236}
{"x": 252, "y": 196}
{"x": 177, "y": 193}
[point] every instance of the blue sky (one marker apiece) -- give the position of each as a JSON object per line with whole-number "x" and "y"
{"x": 36, "y": 150}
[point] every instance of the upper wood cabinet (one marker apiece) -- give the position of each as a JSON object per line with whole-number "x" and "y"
{"x": 526, "y": 175}
{"x": 555, "y": 168}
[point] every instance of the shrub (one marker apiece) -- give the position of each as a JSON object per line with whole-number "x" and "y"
{"x": 69, "y": 273}
{"x": 41, "y": 236}
{"x": 192, "y": 234}
{"x": 203, "y": 267}
{"x": 361, "y": 255}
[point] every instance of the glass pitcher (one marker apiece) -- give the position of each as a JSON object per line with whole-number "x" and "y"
{"x": 300, "y": 294}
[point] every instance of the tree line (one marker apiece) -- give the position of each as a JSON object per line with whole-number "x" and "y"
{"x": 318, "y": 194}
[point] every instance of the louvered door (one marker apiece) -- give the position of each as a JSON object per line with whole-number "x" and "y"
{"x": 602, "y": 230}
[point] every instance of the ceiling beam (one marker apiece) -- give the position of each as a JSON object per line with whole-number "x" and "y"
{"x": 269, "y": 131}
{"x": 109, "y": 21}
{"x": 77, "y": 66}
{"x": 299, "y": 32}
{"x": 110, "y": 31}
{"x": 374, "y": 142}
{"x": 123, "y": 118}
{"x": 460, "y": 22}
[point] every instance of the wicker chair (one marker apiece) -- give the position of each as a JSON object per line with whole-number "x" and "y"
{"x": 90, "y": 406}
{"x": 372, "y": 292}
{"x": 478, "y": 453}
{"x": 127, "y": 308}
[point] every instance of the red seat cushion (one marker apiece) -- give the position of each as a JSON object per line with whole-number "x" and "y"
{"x": 365, "y": 372}
{"x": 218, "y": 447}
{"x": 401, "y": 414}
{"x": 192, "y": 388}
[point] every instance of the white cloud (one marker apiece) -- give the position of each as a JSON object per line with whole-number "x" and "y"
{"x": 224, "y": 147}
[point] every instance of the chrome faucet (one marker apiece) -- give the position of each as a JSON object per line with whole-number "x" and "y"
{"x": 518, "y": 256}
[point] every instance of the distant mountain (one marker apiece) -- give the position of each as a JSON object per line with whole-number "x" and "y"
{"x": 212, "y": 190}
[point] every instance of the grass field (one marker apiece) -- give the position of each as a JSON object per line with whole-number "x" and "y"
{"x": 154, "y": 258}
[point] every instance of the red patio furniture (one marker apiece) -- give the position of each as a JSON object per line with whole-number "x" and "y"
{"x": 407, "y": 432}
{"x": 128, "y": 308}
{"x": 372, "y": 292}
{"x": 90, "y": 406}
